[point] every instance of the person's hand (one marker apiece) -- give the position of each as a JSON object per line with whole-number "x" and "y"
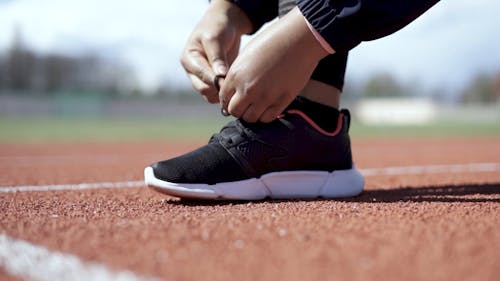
{"x": 213, "y": 45}
{"x": 271, "y": 71}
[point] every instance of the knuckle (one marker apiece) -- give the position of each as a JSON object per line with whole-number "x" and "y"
{"x": 206, "y": 90}
{"x": 212, "y": 99}
{"x": 210, "y": 37}
{"x": 234, "y": 74}
{"x": 200, "y": 75}
{"x": 201, "y": 88}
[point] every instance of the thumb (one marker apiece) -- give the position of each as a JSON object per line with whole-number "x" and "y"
{"x": 219, "y": 67}
{"x": 216, "y": 56}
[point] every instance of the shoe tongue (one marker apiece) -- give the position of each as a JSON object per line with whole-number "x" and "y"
{"x": 229, "y": 129}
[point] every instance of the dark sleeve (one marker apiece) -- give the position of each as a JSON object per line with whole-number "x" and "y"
{"x": 258, "y": 11}
{"x": 345, "y": 23}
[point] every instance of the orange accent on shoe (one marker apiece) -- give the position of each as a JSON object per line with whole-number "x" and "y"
{"x": 315, "y": 126}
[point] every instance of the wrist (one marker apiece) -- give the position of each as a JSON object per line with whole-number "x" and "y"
{"x": 326, "y": 46}
{"x": 236, "y": 16}
{"x": 308, "y": 39}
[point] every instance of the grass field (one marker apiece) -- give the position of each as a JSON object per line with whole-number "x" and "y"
{"x": 69, "y": 130}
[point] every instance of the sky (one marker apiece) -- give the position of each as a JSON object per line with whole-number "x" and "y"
{"x": 444, "y": 48}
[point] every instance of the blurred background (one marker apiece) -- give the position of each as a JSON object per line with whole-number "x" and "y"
{"x": 96, "y": 70}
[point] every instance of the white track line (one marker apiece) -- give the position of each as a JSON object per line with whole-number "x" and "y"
{"x": 71, "y": 158}
{"x": 385, "y": 171}
{"x": 81, "y": 186}
{"x": 432, "y": 169}
{"x": 35, "y": 263}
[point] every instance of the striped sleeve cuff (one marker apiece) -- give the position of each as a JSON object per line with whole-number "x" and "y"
{"x": 334, "y": 24}
{"x": 326, "y": 46}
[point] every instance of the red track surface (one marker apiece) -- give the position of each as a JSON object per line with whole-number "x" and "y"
{"x": 442, "y": 226}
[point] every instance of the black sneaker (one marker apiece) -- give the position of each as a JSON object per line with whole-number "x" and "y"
{"x": 291, "y": 157}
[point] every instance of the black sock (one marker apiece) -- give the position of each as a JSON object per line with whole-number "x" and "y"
{"x": 325, "y": 116}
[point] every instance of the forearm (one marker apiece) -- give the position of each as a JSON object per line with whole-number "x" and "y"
{"x": 271, "y": 70}
{"x": 345, "y": 24}
{"x": 258, "y": 11}
{"x": 234, "y": 14}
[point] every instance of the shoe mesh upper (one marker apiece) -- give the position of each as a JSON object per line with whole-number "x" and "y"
{"x": 242, "y": 151}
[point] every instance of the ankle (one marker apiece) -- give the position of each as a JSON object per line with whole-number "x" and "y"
{"x": 326, "y": 117}
{"x": 321, "y": 93}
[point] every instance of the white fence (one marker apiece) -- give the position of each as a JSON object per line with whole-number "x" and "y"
{"x": 420, "y": 111}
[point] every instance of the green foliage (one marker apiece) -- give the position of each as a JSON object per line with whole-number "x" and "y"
{"x": 385, "y": 85}
{"x": 483, "y": 89}
{"x": 24, "y": 71}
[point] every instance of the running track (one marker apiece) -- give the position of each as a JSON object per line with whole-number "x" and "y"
{"x": 79, "y": 212}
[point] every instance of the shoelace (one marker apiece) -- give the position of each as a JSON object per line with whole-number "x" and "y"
{"x": 227, "y": 131}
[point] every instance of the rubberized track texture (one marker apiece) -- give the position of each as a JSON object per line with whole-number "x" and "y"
{"x": 430, "y": 211}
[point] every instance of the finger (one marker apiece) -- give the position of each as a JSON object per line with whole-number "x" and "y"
{"x": 207, "y": 91}
{"x": 224, "y": 104}
{"x": 216, "y": 55}
{"x": 218, "y": 80}
{"x": 196, "y": 64}
{"x": 226, "y": 93}
{"x": 276, "y": 108}
{"x": 237, "y": 105}
{"x": 252, "y": 113}
{"x": 270, "y": 114}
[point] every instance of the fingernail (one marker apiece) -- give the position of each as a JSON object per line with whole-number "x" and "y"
{"x": 224, "y": 112}
{"x": 221, "y": 69}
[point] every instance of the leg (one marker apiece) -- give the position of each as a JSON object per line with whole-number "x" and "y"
{"x": 324, "y": 87}
{"x": 304, "y": 153}
{"x": 327, "y": 79}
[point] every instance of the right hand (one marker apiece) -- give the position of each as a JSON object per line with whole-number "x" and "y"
{"x": 272, "y": 70}
{"x": 213, "y": 46}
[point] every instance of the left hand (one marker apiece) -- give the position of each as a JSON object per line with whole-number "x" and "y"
{"x": 272, "y": 70}
{"x": 213, "y": 45}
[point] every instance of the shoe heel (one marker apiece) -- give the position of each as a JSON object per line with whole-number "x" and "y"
{"x": 343, "y": 183}
{"x": 313, "y": 184}
{"x": 297, "y": 184}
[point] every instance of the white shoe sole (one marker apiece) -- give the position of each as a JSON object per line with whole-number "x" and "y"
{"x": 277, "y": 185}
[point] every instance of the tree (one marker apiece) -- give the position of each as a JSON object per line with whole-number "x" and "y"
{"x": 24, "y": 71}
{"x": 384, "y": 85}
{"x": 19, "y": 65}
{"x": 2, "y": 73}
{"x": 482, "y": 89}
{"x": 57, "y": 72}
